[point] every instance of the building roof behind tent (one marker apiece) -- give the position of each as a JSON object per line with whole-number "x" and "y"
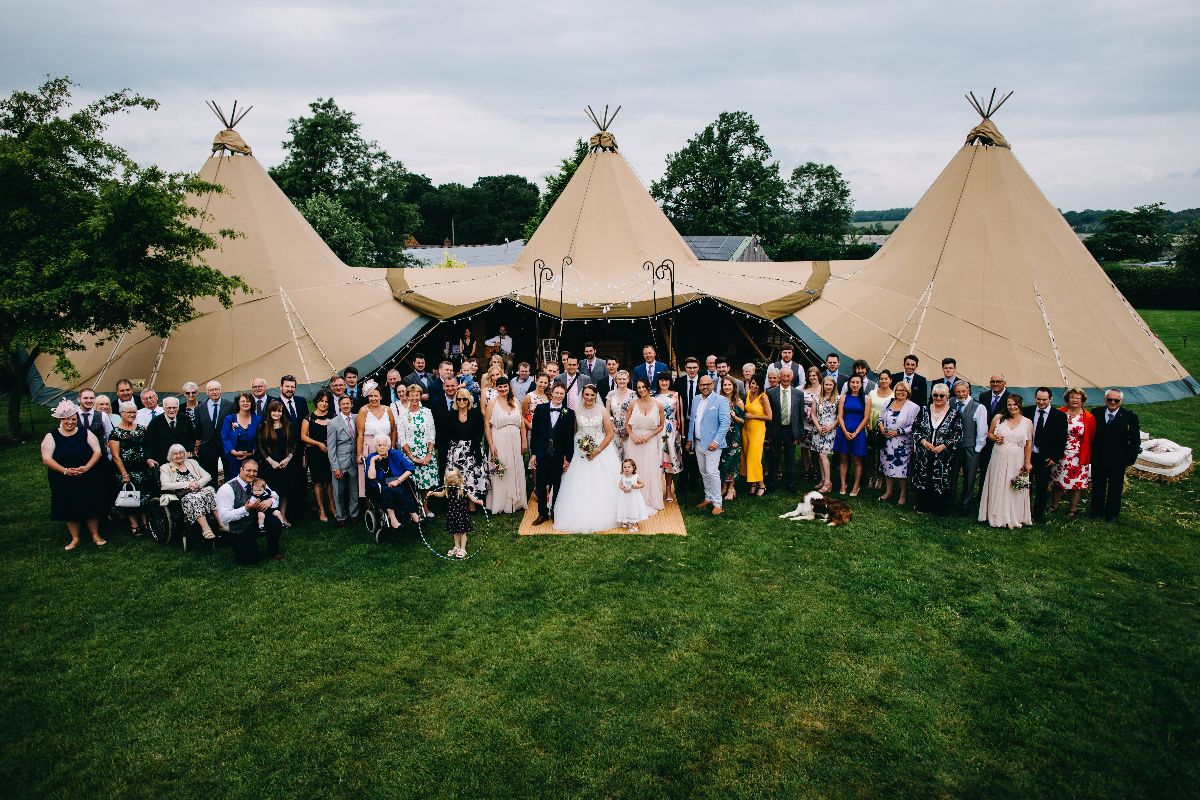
{"x": 473, "y": 255}
{"x": 717, "y": 248}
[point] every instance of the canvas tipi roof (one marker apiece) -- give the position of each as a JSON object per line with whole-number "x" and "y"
{"x": 985, "y": 269}
{"x": 310, "y": 314}
{"x": 596, "y": 239}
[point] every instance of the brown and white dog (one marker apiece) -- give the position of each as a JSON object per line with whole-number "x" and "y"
{"x": 817, "y": 506}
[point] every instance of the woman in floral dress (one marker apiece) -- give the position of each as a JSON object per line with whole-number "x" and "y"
{"x": 731, "y": 457}
{"x": 618, "y": 403}
{"x": 1074, "y": 472}
{"x": 414, "y": 427}
{"x": 672, "y": 437}
{"x": 825, "y": 411}
{"x": 896, "y": 420}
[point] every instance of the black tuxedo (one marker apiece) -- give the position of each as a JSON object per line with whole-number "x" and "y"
{"x": 919, "y": 389}
{"x": 208, "y": 431}
{"x": 160, "y": 436}
{"x": 552, "y": 445}
{"x": 429, "y": 384}
{"x": 606, "y": 384}
{"x": 1050, "y": 442}
{"x": 691, "y": 467}
{"x": 1115, "y": 447}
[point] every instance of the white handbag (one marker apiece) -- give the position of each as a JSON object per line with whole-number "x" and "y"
{"x": 129, "y": 497}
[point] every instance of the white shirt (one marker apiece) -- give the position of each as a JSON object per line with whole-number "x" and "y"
{"x": 554, "y": 412}
{"x": 144, "y": 415}
{"x": 225, "y": 508}
{"x": 698, "y": 406}
{"x": 505, "y": 343}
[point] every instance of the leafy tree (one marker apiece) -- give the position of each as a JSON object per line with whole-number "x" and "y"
{"x": 886, "y": 215}
{"x": 508, "y": 201}
{"x": 1187, "y": 257}
{"x": 346, "y": 236}
{"x": 91, "y": 244}
{"x": 1139, "y": 234}
{"x": 723, "y": 181}
{"x": 818, "y": 213}
{"x": 555, "y": 183}
{"x": 327, "y": 154}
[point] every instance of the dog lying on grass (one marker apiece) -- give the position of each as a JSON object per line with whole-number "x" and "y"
{"x": 817, "y": 506}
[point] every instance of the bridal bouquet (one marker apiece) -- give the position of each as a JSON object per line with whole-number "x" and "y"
{"x": 1021, "y": 482}
{"x": 587, "y": 444}
{"x": 498, "y": 468}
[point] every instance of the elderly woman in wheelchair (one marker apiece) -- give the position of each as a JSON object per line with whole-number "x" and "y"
{"x": 184, "y": 479}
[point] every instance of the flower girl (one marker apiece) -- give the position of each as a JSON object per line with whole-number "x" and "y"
{"x": 631, "y": 508}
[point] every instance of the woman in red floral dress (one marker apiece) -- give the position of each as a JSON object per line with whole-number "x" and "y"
{"x": 1074, "y": 472}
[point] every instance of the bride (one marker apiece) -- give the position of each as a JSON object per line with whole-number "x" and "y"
{"x": 587, "y": 498}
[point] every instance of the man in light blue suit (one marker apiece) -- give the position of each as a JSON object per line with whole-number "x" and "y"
{"x": 708, "y": 423}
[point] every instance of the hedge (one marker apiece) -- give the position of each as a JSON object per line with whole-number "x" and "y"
{"x": 1156, "y": 287}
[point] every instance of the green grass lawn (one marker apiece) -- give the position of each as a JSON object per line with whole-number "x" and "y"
{"x": 899, "y": 656}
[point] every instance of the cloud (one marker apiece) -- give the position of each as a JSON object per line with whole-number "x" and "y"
{"x": 1105, "y": 110}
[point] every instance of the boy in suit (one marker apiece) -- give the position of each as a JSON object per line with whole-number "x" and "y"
{"x": 918, "y": 387}
{"x": 551, "y": 447}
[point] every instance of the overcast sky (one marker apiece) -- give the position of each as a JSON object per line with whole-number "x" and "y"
{"x": 1106, "y": 112}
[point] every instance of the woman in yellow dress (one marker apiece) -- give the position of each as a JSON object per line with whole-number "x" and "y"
{"x": 758, "y": 414}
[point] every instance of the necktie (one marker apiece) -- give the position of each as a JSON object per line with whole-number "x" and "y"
{"x": 87, "y": 419}
{"x": 959, "y": 406}
{"x": 213, "y": 412}
{"x": 691, "y": 392}
{"x": 171, "y": 424}
{"x": 995, "y": 400}
{"x": 291, "y": 408}
{"x": 1110, "y": 416}
{"x": 349, "y": 424}
{"x": 1037, "y": 429}
{"x": 785, "y": 403}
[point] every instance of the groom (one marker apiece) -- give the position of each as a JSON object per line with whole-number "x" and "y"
{"x": 551, "y": 445}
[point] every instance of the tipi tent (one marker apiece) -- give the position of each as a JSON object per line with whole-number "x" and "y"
{"x": 985, "y": 269}
{"x": 310, "y": 314}
{"x": 596, "y": 244}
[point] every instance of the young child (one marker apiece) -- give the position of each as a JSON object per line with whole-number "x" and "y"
{"x": 631, "y": 508}
{"x": 458, "y": 520}
{"x": 259, "y": 491}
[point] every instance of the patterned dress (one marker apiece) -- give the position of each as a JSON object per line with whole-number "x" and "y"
{"x": 896, "y": 453}
{"x": 826, "y": 415}
{"x": 1069, "y": 473}
{"x": 619, "y": 411}
{"x": 417, "y": 433}
{"x": 672, "y": 436}
{"x": 465, "y": 452}
{"x": 933, "y": 471}
{"x": 731, "y": 457}
{"x": 810, "y": 431}
{"x": 133, "y": 456}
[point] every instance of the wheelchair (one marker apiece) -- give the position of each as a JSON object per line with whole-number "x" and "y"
{"x": 164, "y": 514}
{"x": 374, "y": 516}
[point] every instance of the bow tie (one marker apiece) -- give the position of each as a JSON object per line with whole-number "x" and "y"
{"x": 556, "y": 408}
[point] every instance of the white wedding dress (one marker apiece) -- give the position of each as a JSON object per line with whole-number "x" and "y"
{"x": 587, "y": 498}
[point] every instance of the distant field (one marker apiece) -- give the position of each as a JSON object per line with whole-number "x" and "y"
{"x": 888, "y": 223}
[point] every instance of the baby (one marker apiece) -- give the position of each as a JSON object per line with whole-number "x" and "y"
{"x": 259, "y": 491}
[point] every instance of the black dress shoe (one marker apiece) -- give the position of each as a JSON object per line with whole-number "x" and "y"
{"x": 541, "y": 520}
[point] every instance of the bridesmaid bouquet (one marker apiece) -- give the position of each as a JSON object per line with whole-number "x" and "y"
{"x": 587, "y": 444}
{"x": 1020, "y": 482}
{"x": 498, "y": 468}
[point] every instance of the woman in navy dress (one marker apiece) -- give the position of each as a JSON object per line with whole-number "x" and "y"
{"x": 77, "y": 493}
{"x": 850, "y": 439}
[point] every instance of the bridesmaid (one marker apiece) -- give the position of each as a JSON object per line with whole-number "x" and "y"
{"x": 618, "y": 403}
{"x": 731, "y": 457}
{"x": 646, "y": 422}
{"x": 672, "y": 446}
{"x": 506, "y": 441}
{"x": 534, "y": 398}
{"x": 414, "y": 424}
{"x": 754, "y": 434}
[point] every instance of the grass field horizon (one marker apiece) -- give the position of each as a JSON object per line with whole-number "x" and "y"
{"x": 898, "y": 656}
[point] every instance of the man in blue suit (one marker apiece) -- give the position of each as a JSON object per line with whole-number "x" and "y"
{"x": 649, "y": 368}
{"x": 707, "y": 426}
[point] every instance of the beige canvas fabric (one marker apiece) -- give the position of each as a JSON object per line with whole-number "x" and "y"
{"x": 986, "y": 269}
{"x": 310, "y": 314}
{"x": 608, "y": 225}
{"x": 232, "y": 141}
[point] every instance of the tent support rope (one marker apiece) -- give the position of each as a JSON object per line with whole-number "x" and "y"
{"x": 1050, "y": 332}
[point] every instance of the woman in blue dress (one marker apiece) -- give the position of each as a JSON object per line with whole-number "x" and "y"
{"x": 239, "y": 435}
{"x": 850, "y": 440}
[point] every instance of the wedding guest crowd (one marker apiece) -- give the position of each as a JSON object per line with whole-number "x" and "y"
{"x": 504, "y": 432}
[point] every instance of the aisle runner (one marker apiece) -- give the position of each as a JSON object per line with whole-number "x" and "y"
{"x": 668, "y": 521}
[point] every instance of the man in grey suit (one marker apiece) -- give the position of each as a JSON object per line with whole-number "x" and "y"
{"x": 341, "y": 442}
{"x": 573, "y": 380}
{"x": 966, "y": 460}
{"x": 785, "y": 429}
{"x": 592, "y": 365}
{"x": 209, "y": 416}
